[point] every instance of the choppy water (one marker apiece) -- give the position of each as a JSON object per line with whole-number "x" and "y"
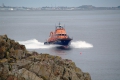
{"x": 96, "y": 34}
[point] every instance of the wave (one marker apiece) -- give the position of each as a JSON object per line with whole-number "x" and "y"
{"x": 81, "y": 44}
{"x": 35, "y": 44}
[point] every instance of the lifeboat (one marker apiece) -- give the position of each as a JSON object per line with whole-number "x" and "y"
{"x": 59, "y": 37}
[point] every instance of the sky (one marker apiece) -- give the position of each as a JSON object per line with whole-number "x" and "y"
{"x": 56, "y": 3}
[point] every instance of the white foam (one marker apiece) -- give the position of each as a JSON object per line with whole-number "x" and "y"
{"x": 81, "y": 44}
{"x": 35, "y": 44}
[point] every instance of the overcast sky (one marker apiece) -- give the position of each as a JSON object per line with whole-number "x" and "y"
{"x": 53, "y": 3}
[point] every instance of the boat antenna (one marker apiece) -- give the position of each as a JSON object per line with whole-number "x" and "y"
{"x": 59, "y": 23}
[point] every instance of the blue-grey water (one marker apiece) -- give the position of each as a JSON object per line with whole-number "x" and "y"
{"x": 96, "y": 37}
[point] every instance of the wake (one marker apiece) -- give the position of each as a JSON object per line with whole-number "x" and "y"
{"x": 35, "y": 44}
{"x": 81, "y": 44}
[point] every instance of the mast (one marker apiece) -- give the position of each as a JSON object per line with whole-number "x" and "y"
{"x": 59, "y": 23}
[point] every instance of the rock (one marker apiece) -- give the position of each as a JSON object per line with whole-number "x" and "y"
{"x": 28, "y": 75}
{"x": 56, "y": 68}
{"x": 3, "y": 72}
{"x": 2, "y": 52}
{"x": 12, "y": 77}
{"x": 16, "y": 63}
{"x": 2, "y": 61}
{"x": 10, "y": 48}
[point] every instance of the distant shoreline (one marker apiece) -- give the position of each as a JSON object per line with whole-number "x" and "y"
{"x": 80, "y": 8}
{"x": 59, "y": 10}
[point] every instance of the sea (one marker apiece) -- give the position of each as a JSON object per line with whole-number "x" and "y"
{"x": 95, "y": 47}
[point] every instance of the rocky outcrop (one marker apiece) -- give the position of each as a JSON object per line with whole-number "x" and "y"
{"x": 28, "y": 75}
{"x": 9, "y": 48}
{"x": 16, "y": 63}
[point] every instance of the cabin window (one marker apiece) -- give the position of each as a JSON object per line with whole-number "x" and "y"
{"x": 61, "y": 34}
